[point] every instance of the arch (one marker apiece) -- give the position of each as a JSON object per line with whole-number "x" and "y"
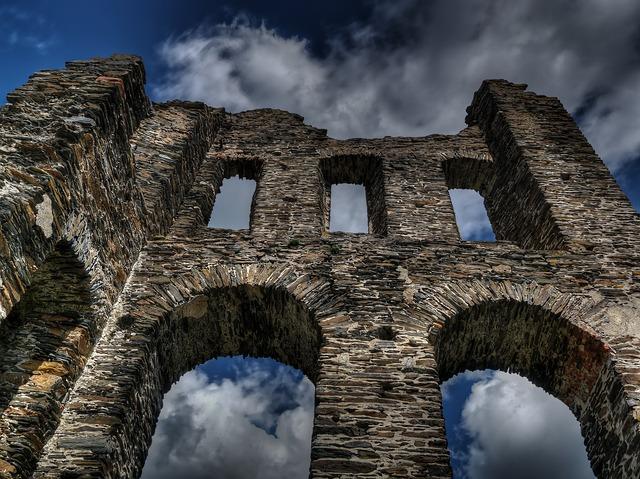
{"x": 246, "y": 320}
{"x": 530, "y": 340}
{"x": 44, "y": 344}
{"x": 164, "y": 327}
{"x": 238, "y": 312}
{"x": 542, "y": 334}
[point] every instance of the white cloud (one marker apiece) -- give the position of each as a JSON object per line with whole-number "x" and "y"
{"x": 412, "y": 71}
{"x": 518, "y": 430}
{"x": 218, "y": 429}
{"x": 447, "y": 389}
{"x": 237, "y": 65}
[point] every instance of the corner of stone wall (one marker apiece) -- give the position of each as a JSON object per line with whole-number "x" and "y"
{"x": 551, "y": 191}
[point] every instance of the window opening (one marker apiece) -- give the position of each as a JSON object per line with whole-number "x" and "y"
{"x": 232, "y": 206}
{"x": 353, "y": 198}
{"x": 471, "y": 215}
{"x": 348, "y": 208}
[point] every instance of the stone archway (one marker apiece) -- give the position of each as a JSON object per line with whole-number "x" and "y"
{"x": 44, "y": 344}
{"x": 542, "y": 334}
{"x": 267, "y": 311}
{"x": 245, "y": 320}
{"x": 530, "y": 340}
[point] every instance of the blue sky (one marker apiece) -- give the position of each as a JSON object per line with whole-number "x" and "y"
{"x": 45, "y": 33}
{"x": 359, "y": 68}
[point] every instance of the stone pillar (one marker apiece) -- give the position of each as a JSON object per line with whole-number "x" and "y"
{"x": 417, "y": 199}
{"x": 288, "y": 200}
{"x": 378, "y": 411}
{"x": 552, "y": 190}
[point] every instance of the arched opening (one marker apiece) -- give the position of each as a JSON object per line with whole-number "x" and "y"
{"x": 500, "y": 425}
{"x": 44, "y": 344}
{"x": 234, "y": 417}
{"x": 249, "y": 321}
{"x": 565, "y": 360}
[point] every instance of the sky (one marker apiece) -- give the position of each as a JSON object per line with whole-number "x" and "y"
{"x": 362, "y": 68}
{"x": 234, "y": 418}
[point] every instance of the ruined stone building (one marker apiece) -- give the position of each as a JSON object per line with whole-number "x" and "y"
{"x": 112, "y": 286}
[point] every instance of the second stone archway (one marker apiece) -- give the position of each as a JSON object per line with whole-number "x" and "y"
{"x": 545, "y": 335}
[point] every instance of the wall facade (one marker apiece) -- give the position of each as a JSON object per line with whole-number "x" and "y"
{"x": 106, "y": 197}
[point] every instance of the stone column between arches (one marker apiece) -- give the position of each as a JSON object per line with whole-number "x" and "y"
{"x": 377, "y": 405}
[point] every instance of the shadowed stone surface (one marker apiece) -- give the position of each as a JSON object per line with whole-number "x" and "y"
{"x": 112, "y": 286}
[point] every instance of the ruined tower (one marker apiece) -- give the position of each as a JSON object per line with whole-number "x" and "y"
{"x": 112, "y": 286}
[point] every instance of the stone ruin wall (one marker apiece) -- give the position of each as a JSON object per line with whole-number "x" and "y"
{"x": 112, "y": 286}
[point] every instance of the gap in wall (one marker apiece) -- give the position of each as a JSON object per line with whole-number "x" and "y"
{"x": 348, "y": 208}
{"x": 471, "y": 215}
{"x": 232, "y": 206}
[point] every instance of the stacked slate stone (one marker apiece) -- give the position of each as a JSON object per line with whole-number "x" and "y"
{"x": 113, "y": 286}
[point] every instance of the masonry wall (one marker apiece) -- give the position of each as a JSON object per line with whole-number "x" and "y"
{"x": 73, "y": 174}
{"x": 376, "y": 320}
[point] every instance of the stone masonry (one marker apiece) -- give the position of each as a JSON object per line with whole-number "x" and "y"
{"x": 112, "y": 286}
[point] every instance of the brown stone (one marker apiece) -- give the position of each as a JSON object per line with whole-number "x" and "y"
{"x": 114, "y": 286}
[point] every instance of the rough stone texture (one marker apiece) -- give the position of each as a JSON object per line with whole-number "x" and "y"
{"x": 113, "y": 286}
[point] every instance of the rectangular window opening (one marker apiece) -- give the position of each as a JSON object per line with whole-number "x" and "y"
{"x": 471, "y": 215}
{"x": 353, "y": 198}
{"x": 235, "y": 184}
{"x": 348, "y": 208}
{"x": 232, "y": 206}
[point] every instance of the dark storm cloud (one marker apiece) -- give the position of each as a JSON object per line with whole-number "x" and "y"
{"x": 412, "y": 69}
